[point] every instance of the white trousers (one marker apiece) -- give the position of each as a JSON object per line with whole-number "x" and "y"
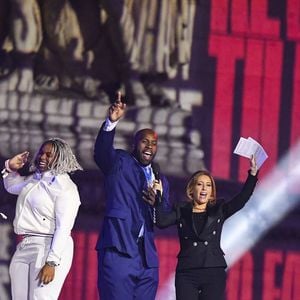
{"x": 27, "y": 262}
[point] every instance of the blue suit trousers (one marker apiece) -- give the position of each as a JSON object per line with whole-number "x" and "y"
{"x": 121, "y": 277}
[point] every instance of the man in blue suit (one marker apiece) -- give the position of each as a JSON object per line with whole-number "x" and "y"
{"x": 127, "y": 256}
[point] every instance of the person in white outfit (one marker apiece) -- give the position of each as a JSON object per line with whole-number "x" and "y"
{"x": 46, "y": 208}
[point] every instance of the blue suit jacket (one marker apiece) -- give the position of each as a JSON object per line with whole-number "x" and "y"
{"x": 126, "y": 211}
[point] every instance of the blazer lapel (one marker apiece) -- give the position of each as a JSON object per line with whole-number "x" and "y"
{"x": 210, "y": 219}
{"x": 189, "y": 212}
{"x": 208, "y": 222}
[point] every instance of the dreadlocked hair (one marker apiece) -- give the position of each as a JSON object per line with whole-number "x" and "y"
{"x": 64, "y": 161}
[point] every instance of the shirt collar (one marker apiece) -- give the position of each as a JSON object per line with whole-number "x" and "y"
{"x": 44, "y": 175}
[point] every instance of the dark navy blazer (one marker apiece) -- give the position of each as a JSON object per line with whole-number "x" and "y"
{"x": 126, "y": 211}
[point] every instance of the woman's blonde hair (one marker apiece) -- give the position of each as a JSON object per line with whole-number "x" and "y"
{"x": 193, "y": 181}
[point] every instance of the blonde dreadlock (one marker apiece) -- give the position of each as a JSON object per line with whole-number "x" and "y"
{"x": 64, "y": 162}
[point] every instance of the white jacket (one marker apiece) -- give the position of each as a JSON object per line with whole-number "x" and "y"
{"x": 46, "y": 205}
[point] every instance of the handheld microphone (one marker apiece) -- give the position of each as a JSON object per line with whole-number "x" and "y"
{"x": 156, "y": 172}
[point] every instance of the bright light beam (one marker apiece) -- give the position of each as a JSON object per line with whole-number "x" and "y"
{"x": 274, "y": 197}
{"x": 272, "y": 200}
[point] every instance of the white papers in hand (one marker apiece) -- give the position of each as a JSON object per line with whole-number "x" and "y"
{"x": 249, "y": 147}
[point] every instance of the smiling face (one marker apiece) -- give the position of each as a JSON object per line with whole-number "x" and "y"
{"x": 202, "y": 190}
{"x": 145, "y": 146}
{"x": 45, "y": 157}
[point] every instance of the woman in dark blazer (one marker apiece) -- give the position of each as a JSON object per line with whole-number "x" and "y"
{"x": 200, "y": 272}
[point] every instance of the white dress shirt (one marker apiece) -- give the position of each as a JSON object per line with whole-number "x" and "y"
{"x": 46, "y": 205}
{"x": 109, "y": 125}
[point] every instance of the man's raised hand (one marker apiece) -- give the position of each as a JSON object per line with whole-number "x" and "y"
{"x": 117, "y": 110}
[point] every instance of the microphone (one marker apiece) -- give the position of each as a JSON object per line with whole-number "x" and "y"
{"x": 156, "y": 172}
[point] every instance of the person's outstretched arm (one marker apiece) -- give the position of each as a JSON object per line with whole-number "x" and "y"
{"x": 244, "y": 195}
{"x": 104, "y": 151}
{"x": 13, "y": 181}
